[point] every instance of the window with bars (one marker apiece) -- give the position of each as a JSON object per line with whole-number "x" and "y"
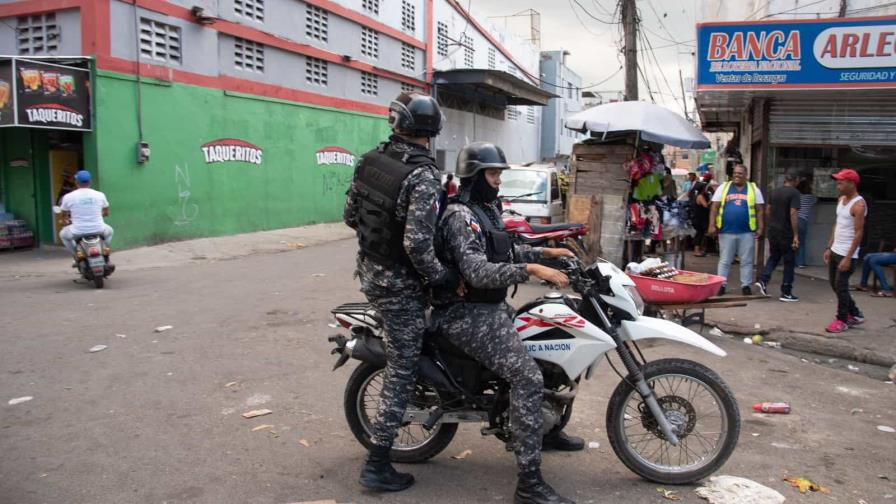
{"x": 408, "y": 57}
{"x": 371, "y": 6}
{"x": 316, "y": 22}
{"x": 316, "y": 71}
{"x": 513, "y": 113}
{"x": 530, "y": 114}
{"x": 248, "y": 55}
{"x": 442, "y": 39}
{"x": 370, "y": 84}
{"x": 249, "y": 9}
{"x": 370, "y": 43}
{"x": 37, "y": 34}
{"x": 491, "y": 58}
{"x": 467, "y": 42}
{"x": 159, "y": 41}
{"x": 410, "y": 88}
{"x": 408, "y": 16}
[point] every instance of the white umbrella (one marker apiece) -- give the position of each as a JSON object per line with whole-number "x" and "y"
{"x": 655, "y": 123}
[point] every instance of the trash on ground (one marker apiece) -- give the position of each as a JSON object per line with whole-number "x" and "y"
{"x": 734, "y": 490}
{"x": 122, "y": 335}
{"x": 757, "y": 325}
{"x": 671, "y": 495}
{"x": 715, "y": 331}
{"x": 97, "y": 348}
{"x": 854, "y": 369}
{"x": 294, "y": 245}
{"x": 784, "y": 445}
{"x": 593, "y": 445}
{"x": 262, "y": 427}
{"x": 892, "y": 374}
{"x": 257, "y": 413}
{"x": 856, "y": 411}
{"x": 462, "y": 455}
{"x": 230, "y": 384}
{"x": 772, "y": 344}
{"x": 885, "y": 428}
{"x": 20, "y": 400}
{"x": 319, "y": 275}
{"x": 748, "y": 341}
{"x": 772, "y": 407}
{"x": 755, "y": 434}
{"x": 163, "y": 328}
{"x": 806, "y": 485}
{"x": 305, "y": 443}
{"x": 757, "y": 339}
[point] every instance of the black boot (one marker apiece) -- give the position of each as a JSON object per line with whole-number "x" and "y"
{"x": 378, "y": 474}
{"x": 562, "y": 442}
{"x": 532, "y": 489}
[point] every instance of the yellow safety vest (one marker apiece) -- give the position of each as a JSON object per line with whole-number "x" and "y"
{"x": 751, "y": 204}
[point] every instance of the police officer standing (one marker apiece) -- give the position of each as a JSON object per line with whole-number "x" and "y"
{"x": 471, "y": 237}
{"x": 393, "y": 204}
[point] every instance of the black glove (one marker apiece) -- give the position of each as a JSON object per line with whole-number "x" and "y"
{"x": 451, "y": 279}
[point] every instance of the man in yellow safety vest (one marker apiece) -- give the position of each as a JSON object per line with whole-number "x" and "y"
{"x": 738, "y": 217}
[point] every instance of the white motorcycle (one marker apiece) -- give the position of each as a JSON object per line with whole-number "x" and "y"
{"x": 672, "y": 421}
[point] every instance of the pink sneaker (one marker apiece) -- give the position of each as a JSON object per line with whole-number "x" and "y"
{"x": 854, "y": 321}
{"x": 837, "y": 326}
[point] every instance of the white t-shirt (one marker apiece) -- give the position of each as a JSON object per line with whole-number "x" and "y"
{"x": 86, "y": 207}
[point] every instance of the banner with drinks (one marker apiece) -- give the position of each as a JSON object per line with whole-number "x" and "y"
{"x": 45, "y": 95}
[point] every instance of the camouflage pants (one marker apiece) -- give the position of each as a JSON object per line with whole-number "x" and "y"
{"x": 404, "y": 323}
{"x": 485, "y": 332}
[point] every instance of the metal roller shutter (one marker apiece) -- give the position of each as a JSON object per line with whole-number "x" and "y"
{"x": 838, "y": 119}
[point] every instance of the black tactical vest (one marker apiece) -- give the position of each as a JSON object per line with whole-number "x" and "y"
{"x": 498, "y": 249}
{"x": 378, "y": 179}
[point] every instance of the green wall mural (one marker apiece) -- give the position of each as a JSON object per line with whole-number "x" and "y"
{"x": 222, "y": 163}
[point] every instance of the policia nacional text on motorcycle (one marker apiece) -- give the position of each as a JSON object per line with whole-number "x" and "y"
{"x": 471, "y": 237}
{"x": 393, "y": 204}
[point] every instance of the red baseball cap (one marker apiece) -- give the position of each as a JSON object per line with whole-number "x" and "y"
{"x": 847, "y": 174}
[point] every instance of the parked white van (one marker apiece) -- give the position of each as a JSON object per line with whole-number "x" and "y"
{"x": 533, "y": 191}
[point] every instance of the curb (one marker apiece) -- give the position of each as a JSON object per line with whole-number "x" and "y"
{"x": 829, "y": 346}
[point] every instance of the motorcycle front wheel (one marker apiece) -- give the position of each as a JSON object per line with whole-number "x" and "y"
{"x": 698, "y": 404}
{"x": 414, "y": 443}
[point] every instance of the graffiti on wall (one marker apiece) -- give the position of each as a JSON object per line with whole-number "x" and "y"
{"x": 186, "y": 212}
{"x": 335, "y": 182}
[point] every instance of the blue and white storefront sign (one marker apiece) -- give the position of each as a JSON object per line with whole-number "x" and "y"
{"x": 797, "y": 54}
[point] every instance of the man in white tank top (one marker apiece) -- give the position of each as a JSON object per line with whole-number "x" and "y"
{"x": 843, "y": 249}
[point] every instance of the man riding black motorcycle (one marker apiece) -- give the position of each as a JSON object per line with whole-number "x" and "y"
{"x": 471, "y": 237}
{"x": 393, "y": 204}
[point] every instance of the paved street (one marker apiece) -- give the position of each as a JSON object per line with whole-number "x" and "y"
{"x": 151, "y": 419}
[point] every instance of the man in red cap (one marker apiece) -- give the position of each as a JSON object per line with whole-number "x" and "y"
{"x": 843, "y": 249}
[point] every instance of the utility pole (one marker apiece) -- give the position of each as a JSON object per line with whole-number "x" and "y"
{"x": 684, "y": 96}
{"x": 842, "y": 9}
{"x": 630, "y": 52}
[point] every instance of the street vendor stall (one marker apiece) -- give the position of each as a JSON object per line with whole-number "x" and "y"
{"x": 622, "y": 164}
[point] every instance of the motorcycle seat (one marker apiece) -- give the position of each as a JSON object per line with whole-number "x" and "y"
{"x": 445, "y": 346}
{"x": 550, "y": 228}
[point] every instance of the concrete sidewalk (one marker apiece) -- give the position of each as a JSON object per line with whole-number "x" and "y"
{"x": 51, "y": 260}
{"x": 800, "y": 326}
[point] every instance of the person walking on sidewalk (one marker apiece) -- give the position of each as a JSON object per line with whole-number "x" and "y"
{"x": 807, "y": 202}
{"x": 875, "y": 262}
{"x": 737, "y": 216}
{"x": 783, "y": 236}
{"x": 393, "y": 204}
{"x": 843, "y": 249}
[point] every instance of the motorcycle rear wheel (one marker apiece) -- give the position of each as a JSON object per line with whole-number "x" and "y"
{"x": 361, "y": 401}
{"x": 682, "y": 387}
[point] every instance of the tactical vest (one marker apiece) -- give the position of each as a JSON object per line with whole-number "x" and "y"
{"x": 378, "y": 179}
{"x": 498, "y": 249}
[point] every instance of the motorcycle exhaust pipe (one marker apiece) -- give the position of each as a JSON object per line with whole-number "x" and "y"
{"x": 368, "y": 350}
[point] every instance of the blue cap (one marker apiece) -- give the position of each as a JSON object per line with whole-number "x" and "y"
{"x": 83, "y": 177}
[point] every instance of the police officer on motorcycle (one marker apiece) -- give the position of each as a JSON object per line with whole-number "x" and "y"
{"x": 471, "y": 237}
{"x": 393, "y": 204}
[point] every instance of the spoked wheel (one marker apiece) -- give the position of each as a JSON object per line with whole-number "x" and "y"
{"x": 414, "y": 443}
{"x": 699, "y": 406}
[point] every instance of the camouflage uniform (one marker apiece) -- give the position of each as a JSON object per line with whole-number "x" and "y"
{"x": 397, "y": 291}
{"x": 485, "y": 330}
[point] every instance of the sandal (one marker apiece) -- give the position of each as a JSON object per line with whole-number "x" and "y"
{"x": 882, "y": 294}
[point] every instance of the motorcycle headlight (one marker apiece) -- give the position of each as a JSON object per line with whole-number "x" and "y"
{"x": 639, "y": 303}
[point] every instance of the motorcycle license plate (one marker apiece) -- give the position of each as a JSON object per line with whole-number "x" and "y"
{"x": 96, "y": 262}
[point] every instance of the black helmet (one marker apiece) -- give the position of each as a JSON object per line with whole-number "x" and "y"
{"x": 479, "y": 156}
{"x": 416, "y": 114}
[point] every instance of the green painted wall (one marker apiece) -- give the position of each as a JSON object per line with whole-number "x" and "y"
{"x": 178, "y": 196}
{"x": 19, "y": 183}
